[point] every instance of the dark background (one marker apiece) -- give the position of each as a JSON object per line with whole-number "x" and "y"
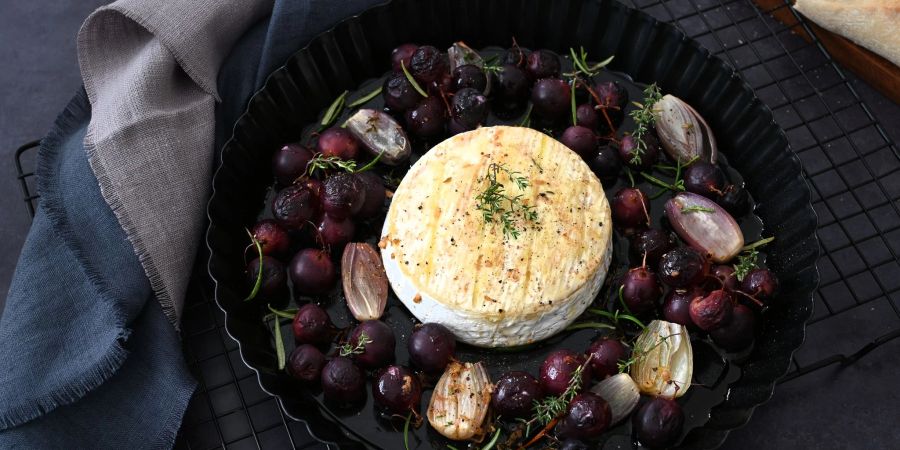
{"x": 853, "y": 407}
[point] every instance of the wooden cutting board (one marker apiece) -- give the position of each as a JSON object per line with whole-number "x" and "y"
{"x": 875, "y": 70}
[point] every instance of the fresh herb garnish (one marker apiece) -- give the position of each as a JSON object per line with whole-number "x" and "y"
{"x": 365, "y": 99}
{"x": 359, "y": 348}
{"x": 334, "y": 110}
{"x": 412, "y": 80}
{"x": 643, "y": 119}
{"x": 496, "y": 206}
{"x": 758, "y": 243}
{"x": 491, "y": 65}
{"x": 677, "y": 185}
{"x": 493, "y": 441}
{"x": 574, "y": 107}
{"x": 696, "y": 208}
{"x": 279, "y": 342}
{"x": 259, "y": 273}
{"x": 550, "y": 408}
{"x": 323, "y": 162}
{"x": 617, "y": 316}
{"x": 406, "y": 431}
{"x": 287, "y": 314}
{"x": 526, "y": 119}
{"x": 746, "y": 263}
{"x": 579, "y": 61}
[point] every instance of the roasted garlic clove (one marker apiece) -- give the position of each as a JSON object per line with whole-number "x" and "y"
{"x": 460, "y": 401}
{"x": 682, "y": 132}
{"x": 365, "y": 282}
{"x": 461, "y": 54}
{"x": 380, "y": 134}
{"x": 663, "y": 360}
{"x": 621, "y": 393}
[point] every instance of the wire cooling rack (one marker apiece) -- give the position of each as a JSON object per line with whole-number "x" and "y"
{"x": 853, "y": 166}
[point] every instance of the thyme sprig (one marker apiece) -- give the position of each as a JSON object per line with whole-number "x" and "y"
{"x": 748, "y": 260}
{"x": 361, "y": 342}
{"x": 322, "y": 162}
{"x": 643, "y": 119}
{"x": 550, "y": 408}
{"x": 498, "y": 206}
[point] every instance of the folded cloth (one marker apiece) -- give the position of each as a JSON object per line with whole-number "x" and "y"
{"x": 89, "y": 352}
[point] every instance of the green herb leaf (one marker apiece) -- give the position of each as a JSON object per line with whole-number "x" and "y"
{"x": 758, "y": 243}
{"x": 579, "y": 61}
{"x": 583, "y": 325}
{"x": 334, "y": 110}
{"x": 412, "y": 80}
{"x": 696, "y": 208}
{"x": 406, "y": 429}
{"x": 371, "y": 163}
{"x": 574, "y": 108}
{"x": 259, "y": 274}
{"x": 496, "y": 205}
{"x": 746, "y": 263}
{"x": 365, "y": 99}
{"x": 552, "y": 407}
{"x": 288, "y": 314}
{"x": 279, "y": 343}
{"x": 359, "y": 348}
{"x": 322, "y": 162}
{"x": 643, "y": 119}
{"x": 493, "y": 441}
{"x": 526, "y": 119}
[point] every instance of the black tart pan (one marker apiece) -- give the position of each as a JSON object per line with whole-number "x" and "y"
{"x": 354, "y": 55}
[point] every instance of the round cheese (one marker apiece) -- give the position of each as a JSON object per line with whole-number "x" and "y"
{"x": 506, "y": 272}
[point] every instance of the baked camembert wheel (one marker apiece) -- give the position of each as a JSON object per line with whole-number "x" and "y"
{"x": 503, "y": 270}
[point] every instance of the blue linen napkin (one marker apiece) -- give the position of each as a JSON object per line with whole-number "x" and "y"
{"x": 71, "y": 376}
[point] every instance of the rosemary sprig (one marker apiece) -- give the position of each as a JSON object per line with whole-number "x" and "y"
{"x": 279, "y": 343}
{"x": 758, "y": 243}
{"x": 526, "y": 119}
{"x": 412, "y": 80}
{"x": 496, "y": 205}
{"x": 406, "y": 431}
{"x": 677, "y": 185}
{"x": 592, "y": 325}
{"x": 493, "y": 441}
{"x": 617, "y": 316}
{"x": 287, "y": 314}
{"x": 359, "y": 348}
{"x": 259, "y": 274}
{"x": 334, "y": 110}
{"x": 746, "y": 263}
{"x": 579, "y": 61}
{"x": 643, "y": 119}
{"x": 365, "y": 99}
{"x": 696, "y": 208}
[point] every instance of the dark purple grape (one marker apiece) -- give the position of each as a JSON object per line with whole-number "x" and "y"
{"x": 427, "y": 119}
{"x": 640, "y": 290}
{"x": 705, "y": 179}
{"x": 469, "y": 107}
{"x": 428, "y": 64}
{"x": 551, "y": 98}
{"x": 342, "y": 195}
{"x": 573, "y": 444}
{"x": 469, "y": 76}
{"x": 516, "y": 56}
{"x": 630, "y": 209}
{"x": 713, "y": 311}
{"x": 339, "y": 143}
{"x": 379, "y": 351}
{"x": 515, "y": 393}
{"x": 737, "y": 334}
{"x": 375, "y": 195}
{"x": 639, "y": 160}
{"x": 335, "y": 232}
{"x": 294, "y": 206}
{"x": 306, "y": 363}
{"x": 580, "y": 140}
{"x": 312, "y": 272}
{"x": 762, "y": 284}
{"x": 315, "y": 186}
{"x": 431, "y": 347}
{"x": 726, "y": 275}
{"x": 542, "y": 64}
{"x": 397, "y": 390}
{"x": 586, "y": 116}
{"x": 512, "y": 85}
{"x": 605, "y": 355}
{"x": 272, "y": 237}
{"x": 658, "y": 423}
{"x": 587, "y": 417}
{"x": 289, "y": 163}
{"x": 682, "y": 267}
{"x": 558, "y": 368}
{"x": 677, "y": 305}
{"x": 274, "y": 280}
{"x": 312, "y": 325}
{"x": 613, "y": 99}
{"x": 399, "y": 94}
{"x": 455, "y": 127}
{"x": 343, "y": 383}
{"x": 652, "y": 242}
{"x": 735, "y": 200}
{"x": 403, "y": 54}
{"x": 606, "y": 163}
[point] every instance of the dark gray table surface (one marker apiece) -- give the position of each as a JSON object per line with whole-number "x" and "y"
{"x": 853, "y": 407}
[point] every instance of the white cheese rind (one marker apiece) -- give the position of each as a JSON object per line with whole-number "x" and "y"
{"x": 448, "y": 266}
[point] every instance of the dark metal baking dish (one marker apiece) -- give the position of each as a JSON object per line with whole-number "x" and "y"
{"x": 356, "y": 50}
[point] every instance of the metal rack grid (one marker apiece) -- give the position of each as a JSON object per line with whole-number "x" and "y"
{"x": 854, "y": 172}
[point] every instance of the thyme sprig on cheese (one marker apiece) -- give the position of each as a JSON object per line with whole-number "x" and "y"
{"x": 498, "y": 206}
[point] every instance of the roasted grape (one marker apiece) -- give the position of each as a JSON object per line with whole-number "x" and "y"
{"x": 640, "y": 290}
{"x": 542, "y": 64}
{"x": 713, "y": 311}
{"x": 312, "y": 325}
{"x": 469, "y": 76}
{"x": 469, "y": 107}
{"x": 375, "y": 195}
{"x": 683, "y": 267}
{"x": 343, "y": 195}
{"x": 377, "y": 346}
{"x": 312, "y": 272}
{"x": 402, "y": 54}
{"x": 512, "y": 87}
{"x": 580, "y": 140}
{"x": 339, "y": 143}
{"x": 735, "y": 200}
{"x": 587, "y": 417}
{"x": 427, "y": 118}
{"x": 399, "y": 94}
{"x": 606, "y": 164}
{"x": 294, "y": 206}
{"x": 613, "y": 99}
{"x": 677, "y": 305}
{"x": 343, "y": 383}
{"x": 272, "y": 237}
{"x": 630, "y": 209}
{"x": 586, "y": 116}
{"x": 653, "y": 243}
{"x": 559, "y": 367}
{"x": 762, "y": 284}
{"x": 431, "y": 347}
{"x": 725, "y": 274}
{"x": 636, "y": 158}
{"x": 573, "y": 444}
{"x": 605, "y": 355}
{"x": 306, "y": 363}
{"x": 397, "y": 390}
{"x": 738, "y": 334}
{"x": 705, "y": 179}
{"x": 274, "y": 281}
{"x": 515, "y": 393}
{"x": 516, "y": 56}
{"x": 551, "y": 98}
{"x": 658, "y": 423}
{"x": 289, "y": 163}
{"x": 335, "y": 232}
{"x": 427, "y": 64}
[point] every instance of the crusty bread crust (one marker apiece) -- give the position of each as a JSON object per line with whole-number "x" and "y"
{"x": 873, "y": 24}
